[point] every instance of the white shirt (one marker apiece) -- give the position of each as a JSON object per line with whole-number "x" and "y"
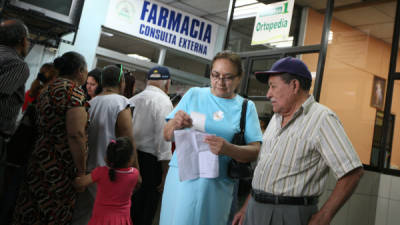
{"x": 151, "y": 108}
{"x": 103, "y": 114}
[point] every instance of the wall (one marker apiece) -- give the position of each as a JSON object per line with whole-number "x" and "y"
{"x": 353, "y": 58}
{"x": 88, "y": 35}
{"x": 376, "y": 201}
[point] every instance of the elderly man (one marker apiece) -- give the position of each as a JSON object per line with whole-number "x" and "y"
{"x": 14, "y": 72}
{"x": 303, "y": 140}
{"x": 14, "y": 46}
{"x": 152, "y": 106}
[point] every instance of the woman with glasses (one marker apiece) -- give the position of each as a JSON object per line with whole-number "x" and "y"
{"x": 47, "y": 195}
{"x": 110, "y": 118}
{"x": 208, "y": 200}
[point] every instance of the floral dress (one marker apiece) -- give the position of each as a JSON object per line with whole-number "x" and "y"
{"x": 47, "y": 195}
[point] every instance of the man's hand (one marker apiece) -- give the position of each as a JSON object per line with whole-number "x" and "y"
{"x": 160, "y": 187}
{"x": 239, "y": 218}
{"x": 320, "y": 218}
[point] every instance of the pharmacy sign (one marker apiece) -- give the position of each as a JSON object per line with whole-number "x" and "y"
{"x": 273, "y": 23}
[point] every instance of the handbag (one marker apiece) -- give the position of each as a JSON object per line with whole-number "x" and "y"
{"x": 238, "y": 170}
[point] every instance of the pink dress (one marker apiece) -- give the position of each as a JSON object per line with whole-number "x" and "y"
{"x": 113, "y": 199}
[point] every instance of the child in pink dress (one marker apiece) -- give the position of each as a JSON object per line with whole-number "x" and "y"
{"x": 115, "y": 184}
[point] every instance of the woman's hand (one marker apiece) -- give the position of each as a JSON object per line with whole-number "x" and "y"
{"x": 218, "y": 145}
{"x": 81, "y": 182}
{"x": 78, "y": 184}
{"x": 182, "y": 120}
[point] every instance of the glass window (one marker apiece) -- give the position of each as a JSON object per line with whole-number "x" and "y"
{"x": 244, "y": 17}
{"x": 255, "y": 87}
{"x": 357, "y": 63}
{"x": 394, "y": 130}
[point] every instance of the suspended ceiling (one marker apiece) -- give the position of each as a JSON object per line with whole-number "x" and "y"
{"x": 375, "y": 17}
{"x": 371, "y": 16}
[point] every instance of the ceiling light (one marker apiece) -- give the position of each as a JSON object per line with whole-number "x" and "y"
{"x": 247, "y": 11}
{"x": 108, "y": 34}
{"x": 239, "y": 3}
{"x": 139, "y": 57}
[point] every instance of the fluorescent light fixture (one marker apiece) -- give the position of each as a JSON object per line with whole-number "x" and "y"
{"x": 247, "y": 11}
{"x": 280, "y": 44}
{"x": 239, "y": 3}
{"x": 139, "y": 57}
{"x": 108, "y": 34}
{"x": 330, "y": 37}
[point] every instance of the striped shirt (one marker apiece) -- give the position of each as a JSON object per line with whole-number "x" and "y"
{"x": 13, "y": 74}
{"x": 295, "y": 159}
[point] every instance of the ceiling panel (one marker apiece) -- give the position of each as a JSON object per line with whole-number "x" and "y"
{"x": 210, "y": 6}
{"x": 127, "y": 44}
{"x": 387, "y": 8}
{"x": 362, "y": 16}
{"x": 382, "y": 31}
{"x": 388, "y": 40}
{"x": 189, "y": 9}
{"x": 217, "y": 19}
{"x": 321, "y": 4}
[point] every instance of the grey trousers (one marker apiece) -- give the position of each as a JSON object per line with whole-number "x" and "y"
{"x": 270, "y": 214}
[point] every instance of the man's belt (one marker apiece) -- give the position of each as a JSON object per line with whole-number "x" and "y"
{"x": 267, "y": 198}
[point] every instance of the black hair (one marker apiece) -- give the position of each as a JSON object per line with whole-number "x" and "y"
{"x": 305, "y": 83}
{"x": 232, "y": 57}
{"x": 175, "y": 99}
{"x": 110, "y": 76}
{"x": 69, "y": 63}
{"x": 119, "y": 152}
{"x": 96, "y": 74}
{"x": 50, "y": 69}
{"x": 12, "y": 32}
{"x": 129, "y": 83}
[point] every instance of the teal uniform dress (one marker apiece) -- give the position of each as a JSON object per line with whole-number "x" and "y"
{"x": 207, "y": 201}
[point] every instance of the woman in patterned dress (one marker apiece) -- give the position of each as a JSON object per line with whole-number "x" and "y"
{"x": 47, "y": 195}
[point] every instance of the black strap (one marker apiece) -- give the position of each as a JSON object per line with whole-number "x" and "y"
{"x": 243, "y": 116}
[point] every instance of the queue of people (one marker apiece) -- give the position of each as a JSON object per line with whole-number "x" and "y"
{"x": 102, "y": 153}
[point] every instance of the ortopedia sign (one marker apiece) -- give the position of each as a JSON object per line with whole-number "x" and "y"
{"x": 273, "y": 23}
{"x": 164, "y": 25}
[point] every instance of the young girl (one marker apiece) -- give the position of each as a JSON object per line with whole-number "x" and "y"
{"x": 115, "y": 184}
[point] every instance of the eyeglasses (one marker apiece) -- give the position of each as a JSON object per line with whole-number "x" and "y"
{"x": 216, "y": 76}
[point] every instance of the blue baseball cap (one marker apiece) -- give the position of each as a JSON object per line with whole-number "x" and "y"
{"x": 158, "y": 73}
{"x": 290, "y": 65}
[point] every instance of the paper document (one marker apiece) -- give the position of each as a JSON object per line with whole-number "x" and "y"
{"x": 194, "y": 156}
{"x": 198, "y": 121}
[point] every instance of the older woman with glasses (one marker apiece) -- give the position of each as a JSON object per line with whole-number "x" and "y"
{"x": 110, "y": 118}
{"x": 208, "y": 200}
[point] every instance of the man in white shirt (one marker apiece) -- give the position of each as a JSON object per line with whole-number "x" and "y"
{"x": 152, "y": 106}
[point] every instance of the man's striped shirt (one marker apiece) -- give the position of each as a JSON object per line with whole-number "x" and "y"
{"x": 295, "y": 160}
{"x": 13, "y": 74}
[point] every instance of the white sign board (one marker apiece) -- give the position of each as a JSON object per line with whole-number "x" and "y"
{"x": 273, "y": 23}
{"x": 164, "y": 25}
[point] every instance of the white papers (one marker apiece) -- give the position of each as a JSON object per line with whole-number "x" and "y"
{"x": 198, "y": 121}
{"x": 194, "y": 156}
